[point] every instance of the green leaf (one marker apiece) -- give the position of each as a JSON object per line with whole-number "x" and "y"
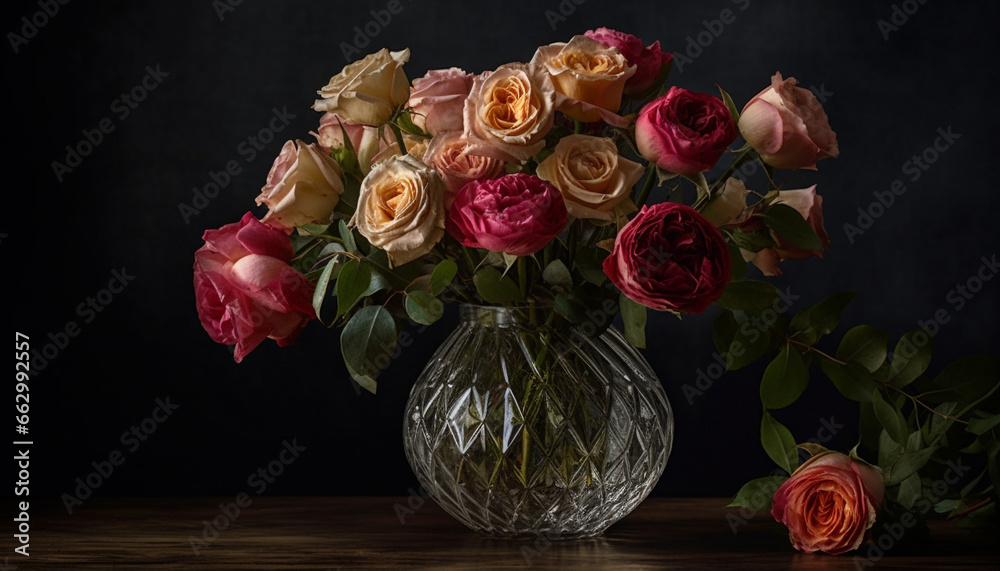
{"x": 749, "y": 344}
{"x": 910, "y": 359}
{"x": 423, "y": 307}
{"x": 634, "y": 319}
{"x": 443, "y": 275}
{"x": 909, "y": 491}
{"x": 853, "y": 381}
{"x": 748, "y": 295}
{"x": 724, "y": 329}
{"x": 787, "y": 223}
{"x": 968, "y": 381}
{"x": 347, "y": 237}
{"x": 784, "y": 379}
{"x": 589, "y": 262}
{"x": 940, "y": 425}
{"x": 779, "y": 443}
{"x": 572, "y": 310}
{"x": 367, "y": 343}
{"x": 494, "y": 287}
{"x": 979, "y": 426}
{"x": 753, "y": 241}
{"x": 728, "y": 100}
{"x": 558, "y": 275}
{"x": 890, "y": 418}
{"x": 865, "y": 345}
{"x": 907, "y": 464}
{"x": 739, "y": 265}
{"x": 319, "y": 294}
{"x": 757, "y": 493}
{"x": 406, "y": 124}
{"x": 355, "y": 277}
{"x": 815, "y": 321}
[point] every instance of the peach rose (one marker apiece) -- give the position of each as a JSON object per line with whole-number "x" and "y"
{"x": 330, "y": 136}
{"x": 438, "y": 99}
{"x": 589, "y": 78}
{"x": 829, "y": 504}
{"x": 729, "y": 207}
{"x": 369, "y": 90}
{"x": 303, "y": 186}
{"x": 787, "y": 126}
{"x": 810, "y": 206}
{"x": 509, "y": 112}
{"x": 448, "y": 155}
{"x": 401, "y": 208}
{"x": 389, "y": 147}
{"x": 591, "y": 176}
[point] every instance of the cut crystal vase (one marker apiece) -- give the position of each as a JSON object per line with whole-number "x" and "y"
{"x": 525, "y": 425}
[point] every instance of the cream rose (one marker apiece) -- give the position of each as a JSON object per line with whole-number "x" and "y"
{"x": 438, "y": 99}
{"x": 588, "y": 77}
{"x": 448, "y": 155}
{"x": 401, "y": 208}
{"x": 590, "y": 174}
{"x": 509, "y": 112}
{"x": 389, "y": 147}
{"x": 730, "y": 206}
{"x": 368, "y": 91}
{"x": 303, "y": 186}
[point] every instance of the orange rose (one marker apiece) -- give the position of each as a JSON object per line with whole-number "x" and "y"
{"x": 829, "y": 503}
{"x": 589, "y": 78}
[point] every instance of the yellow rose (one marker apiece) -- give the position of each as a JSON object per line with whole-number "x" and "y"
{"x": 509, "y": 112}
{"x": 589, "y": 77}
{"x": 590, "y": 174}
{"x": 368, "y": 91}
{"x": 401, "y": 208}
{"x": 303, "y": 187}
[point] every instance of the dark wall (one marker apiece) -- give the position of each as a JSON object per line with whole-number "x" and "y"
{"x": 118, "y": 210}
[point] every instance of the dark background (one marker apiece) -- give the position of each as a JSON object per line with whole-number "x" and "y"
{"x": 119, "y": 209}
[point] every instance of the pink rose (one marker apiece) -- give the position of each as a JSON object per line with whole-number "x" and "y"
{"x": 810, "y": 206}
{"x": 670, "y": 258}
{"x": 448, "y": 155}
{"x": 648, "y": 60}
{"x": 517, "y": 214}
{"x": 684, "y": 132}
{"x": 787, "y": 126}
{"x": 329, "y": 136}
{"x": 245, "y": 291}
{"x": 438, "y": 99}
{"x": 829, "y": 504}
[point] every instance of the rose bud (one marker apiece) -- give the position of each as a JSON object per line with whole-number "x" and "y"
{"x": 810, "y": 206}
{"x": 303, "y": 186}
{"x": 369, "y": 90}
{"x": 730, "y": 206}
{"x": 829, "y": 504}
{"x": 438, "y": 100}
{"x": 401, "y": 208}
{"x": 518, "y": 214}
{"x": 684, "y": 132}
{"x": 648, "y": 60}
{"x": 588, "y": 77}
{"x": 509, "y": 112}
{"x": 245, "y": 291}
{"x": 788, "y": 127}
{"x": 670, "y": 258}
{"x": 591, "y": 176}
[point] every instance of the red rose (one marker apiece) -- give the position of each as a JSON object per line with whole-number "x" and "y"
{"x": 684, "y": 132}
{"x": 829, "y": 504}
{"x": 669, "y": 257}
{"x": 244, "y": 288}
{"x": 517, "y": 214}
{"x": 647, "y": 60}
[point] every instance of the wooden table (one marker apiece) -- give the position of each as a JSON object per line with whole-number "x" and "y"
{"x": 366, "y": 533}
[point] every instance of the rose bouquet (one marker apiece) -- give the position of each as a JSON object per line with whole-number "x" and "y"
{"x": 529, "y": 187}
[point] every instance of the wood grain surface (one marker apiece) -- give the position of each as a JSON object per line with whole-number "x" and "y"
{"x": 367, "y": 533}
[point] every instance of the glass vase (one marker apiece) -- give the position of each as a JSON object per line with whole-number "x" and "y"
{"x": 525, "y": 425}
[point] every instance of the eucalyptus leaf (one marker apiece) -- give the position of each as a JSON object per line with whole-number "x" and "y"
{"x": 494, "y": 287}
{"x": 779, "y": 443}
{"x": 908, "y": 463}
{"x": 355, "y": 277}
{"x": 979, "y": 426}
{"x": 890, "y": 418}
{"x": 785, "y": 379}
{"x": 367, "y": 343}
{"x": 319, "y": 294}
{"x": 347, "y": 237}
{"x": 634, "y": 319}
{"x": 558, "y": 275}
{"x": 909, "y": 491}
{"x": 749, "y": 344}
{"x": 423, "y": 307}
{"x": 442, "y": 276}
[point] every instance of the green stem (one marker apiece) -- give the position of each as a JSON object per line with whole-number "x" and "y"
{"x": 578, "y": 126}
{"x": 399, "y": 137}
{"x": 741, "y": 158}
{"x": 522, "y": 276}
{"x": 647, "y": 187}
